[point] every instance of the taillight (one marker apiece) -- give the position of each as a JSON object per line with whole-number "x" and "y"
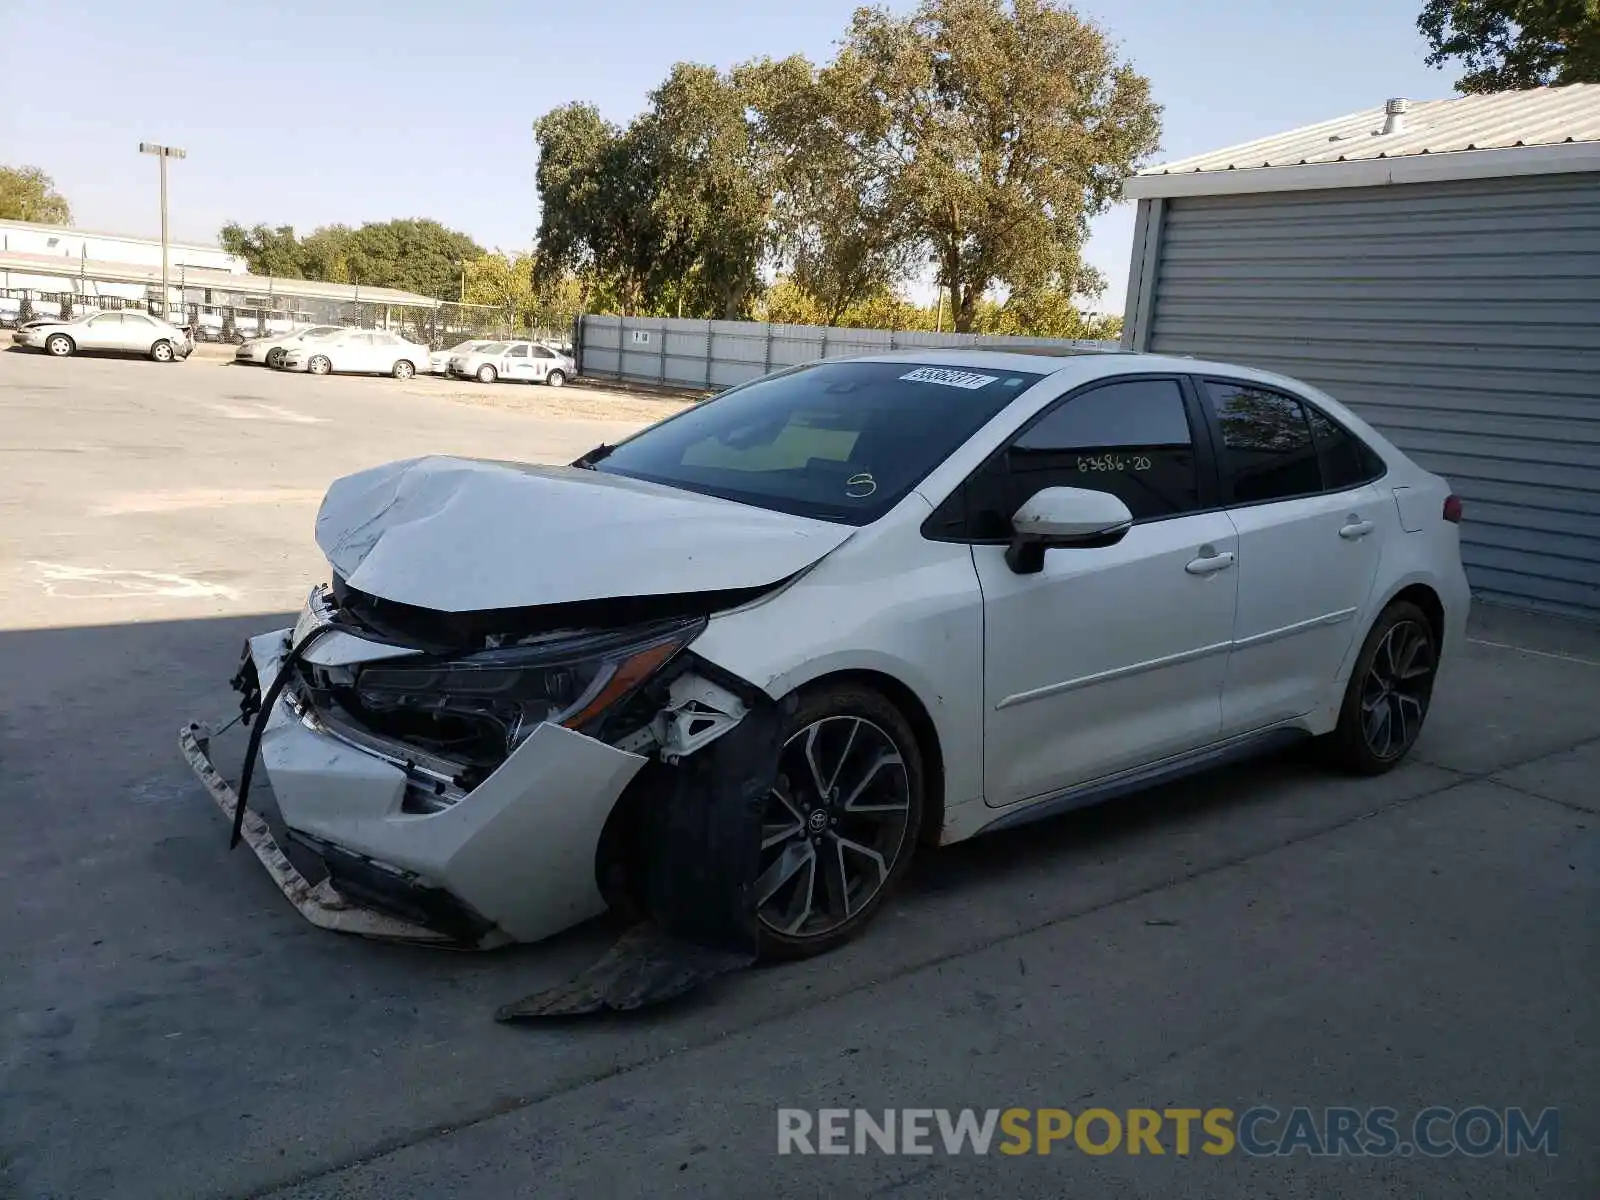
{"x": 1452, "y": 509}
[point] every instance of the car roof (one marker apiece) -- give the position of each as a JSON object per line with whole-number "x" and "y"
{"x": 1079, "y": 365}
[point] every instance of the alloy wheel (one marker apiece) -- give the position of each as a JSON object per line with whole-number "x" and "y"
{"x": 833, "y": 827}
{"x": 319, "y": 366}
{"x": 1396, "y": 690}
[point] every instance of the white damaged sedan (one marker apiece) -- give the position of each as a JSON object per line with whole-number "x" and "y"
{"x": 733, "y": 671}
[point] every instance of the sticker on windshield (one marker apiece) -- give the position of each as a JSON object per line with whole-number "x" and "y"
{"x": 859, "y": 487}
{"x": 970, "y": 380}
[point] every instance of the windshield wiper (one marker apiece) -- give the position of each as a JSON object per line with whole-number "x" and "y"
{"x": 589, "y": 458}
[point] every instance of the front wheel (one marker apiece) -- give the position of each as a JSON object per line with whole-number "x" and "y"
{"x": 487, "y": 374}
{"x": 404, "y": 369}
{"x": 1388, "y": 695}
{"x": 556, "y": 378}
{"x": 274, "y": 358}
{"x": 162, "y": 352}
{"x": 841, "y": 822}
{"x": 319, "y": 365}
{"x": 59, "y": 345}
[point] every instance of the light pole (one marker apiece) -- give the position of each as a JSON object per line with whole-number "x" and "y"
{"x": 163, "y": 153}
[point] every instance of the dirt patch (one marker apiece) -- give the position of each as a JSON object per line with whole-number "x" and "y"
{"x": 569, "y": 404}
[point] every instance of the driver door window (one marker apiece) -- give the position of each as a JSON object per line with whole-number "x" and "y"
{"x": 1131, "y": 438}
{"x": 104, "y": 332}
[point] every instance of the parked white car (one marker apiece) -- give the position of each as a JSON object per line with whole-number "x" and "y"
{"x": 269, "y": 350}
{"x": 362, "y": 351}
{"x": 439, "y": 360}
{"x": 745, "y": 663}
{"x": 517, "y": 362}
{"x": 125, "y": 332}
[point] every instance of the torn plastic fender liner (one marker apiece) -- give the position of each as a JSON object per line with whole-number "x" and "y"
{"x": 703, "y": 850}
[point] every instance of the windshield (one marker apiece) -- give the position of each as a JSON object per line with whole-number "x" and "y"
{"x": 840, "y": 441}
{"x": 492, "y": 348}
{"x": 317, "y": 331}
{"x": 463, "y": 347}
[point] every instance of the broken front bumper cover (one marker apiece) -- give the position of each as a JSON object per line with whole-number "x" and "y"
{"x": 513, "y": 860}
{"x": 318, "y": 903}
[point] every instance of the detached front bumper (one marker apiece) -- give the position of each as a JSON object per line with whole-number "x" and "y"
{"x": 511, "y": 860}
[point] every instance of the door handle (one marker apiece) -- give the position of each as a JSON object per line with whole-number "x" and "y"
{"x": 1354, "y": 529}
{"x": 1210, "y": 564}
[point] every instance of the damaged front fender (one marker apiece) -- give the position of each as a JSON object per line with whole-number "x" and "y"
{"x": 701, "y": 820}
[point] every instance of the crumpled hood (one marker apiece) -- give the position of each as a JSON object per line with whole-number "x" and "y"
{"x": 463, "y": 535}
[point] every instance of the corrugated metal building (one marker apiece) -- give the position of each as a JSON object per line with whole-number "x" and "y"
{"x": 1436, "y": 265}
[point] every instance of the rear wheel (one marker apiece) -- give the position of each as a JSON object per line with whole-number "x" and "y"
{"x": 487, "y": 374}
{"x": 404, "y": 369}
{"x": 1389, "y": 693}
{"x": 556, "y": 378}
{"x": 59, "y": 345}
{"x": 162, "y": 352}
{"x": 319, "y": 365}
{"x": 841, "y": 822}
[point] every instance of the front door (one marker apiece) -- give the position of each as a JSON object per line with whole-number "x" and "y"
{"x": 1111, "y": 657}
{"x": 1311, "y": 530}
{"x": 103, "y": 332}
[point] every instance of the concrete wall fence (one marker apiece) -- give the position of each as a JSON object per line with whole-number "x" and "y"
{"x": 715, "y": 355}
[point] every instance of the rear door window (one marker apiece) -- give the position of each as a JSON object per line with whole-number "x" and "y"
{"x": 1347, "y": 461}
{"x": 1268, "y": 452}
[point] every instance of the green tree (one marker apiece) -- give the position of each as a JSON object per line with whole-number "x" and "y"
{"x": 1002, "y": 126}
{"x": 28, "y": 194}
{"x": 1507, "y": 45}
{"x": 413, "y": 254}
{"x": 714, "y": 186}
{"x": 841, "y": 229}
{"x": 598, "y": 217}
{"x": 325, "y": 254}
{"x": 266, "y": 250}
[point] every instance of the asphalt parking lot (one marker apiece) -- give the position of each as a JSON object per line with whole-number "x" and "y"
{"x": 169, "y": 1026}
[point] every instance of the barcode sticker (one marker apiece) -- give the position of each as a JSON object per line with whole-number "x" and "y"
{"x": 970, "y": 380}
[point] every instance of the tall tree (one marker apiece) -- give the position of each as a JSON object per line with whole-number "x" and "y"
{"x": 266, "y": 250}
{"x": 714, "y": 186}
{"x": 841, "y": 229}
{"x": 598, "y": 217}
{"x": 1507, "y": 45}
{"x": 1001, "y": 125}
{"x": 28, "y": 194}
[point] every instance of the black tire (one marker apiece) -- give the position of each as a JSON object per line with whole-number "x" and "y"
{"x": 1387, "y": 699}
{"x": 556, "y": 378}
{"x": 840, "y": 712}
{"x": 59, "y": 345}
{"x": 319, "y": 365}
{"x": 163, "y": 352}
{"x": 275, "y": 357}
{"x": 487, "y": 374}
{"x": 403, "y": 369}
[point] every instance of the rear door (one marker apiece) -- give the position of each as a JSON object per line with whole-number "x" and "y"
{"x": 139, "y": 332}
{"x": 1311, "y": 526}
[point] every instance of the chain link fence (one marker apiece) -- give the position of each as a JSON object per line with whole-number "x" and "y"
{"x": 212, "y": 315}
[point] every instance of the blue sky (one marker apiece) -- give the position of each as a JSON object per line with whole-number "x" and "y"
{"x": 353, "y": 110}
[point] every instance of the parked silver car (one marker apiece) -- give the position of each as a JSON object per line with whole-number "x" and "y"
{"x": 127, "y": 332}
{"x": 530, "y": 362}
{"x": 270, "y": 350}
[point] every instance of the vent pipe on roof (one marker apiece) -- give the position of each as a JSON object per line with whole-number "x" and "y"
{"x": 1394, "y": 114}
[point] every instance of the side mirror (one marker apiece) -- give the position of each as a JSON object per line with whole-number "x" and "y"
{"x": 1058, "y": 517}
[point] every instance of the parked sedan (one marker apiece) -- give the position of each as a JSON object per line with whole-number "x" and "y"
{"x": 529, "y": 362}
{"x": 439, "y": 360}
{"x": 269, "y": 350}
{"x": 360, "y": 351}
{"x": 126, "y": 332}
{"x": 738, "y": 669}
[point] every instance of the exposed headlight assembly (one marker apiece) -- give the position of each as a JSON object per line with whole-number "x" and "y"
{"x": 502, "y": 695}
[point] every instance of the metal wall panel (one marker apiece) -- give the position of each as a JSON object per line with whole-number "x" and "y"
{"x": 720, "y": 354}
{"x": 1462, "y": 319}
